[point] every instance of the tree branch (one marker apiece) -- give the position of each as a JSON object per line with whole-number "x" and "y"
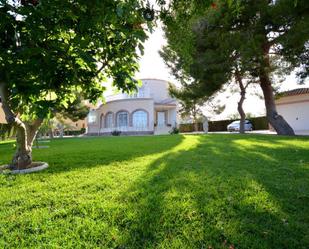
{"x": 12, "y": 119}
{"x": 104, "y": 64}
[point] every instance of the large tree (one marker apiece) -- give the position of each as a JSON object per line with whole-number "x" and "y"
{"x": 50, "y": 50}
{"x": 190, "y": 107}
{"x": 206, "y": 38}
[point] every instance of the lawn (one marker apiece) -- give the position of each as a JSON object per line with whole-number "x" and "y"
{"x": 211, "y": 191}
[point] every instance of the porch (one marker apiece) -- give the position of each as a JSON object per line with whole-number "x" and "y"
{"x": 164, "y": 118}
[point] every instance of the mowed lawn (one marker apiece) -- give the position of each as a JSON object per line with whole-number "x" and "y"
{"x": 208, "y": 191}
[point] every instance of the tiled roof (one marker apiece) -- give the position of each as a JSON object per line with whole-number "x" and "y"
{"x": 297, "y": 91}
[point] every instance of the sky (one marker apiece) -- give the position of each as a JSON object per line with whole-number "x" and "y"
{"x": 152, "y": 66}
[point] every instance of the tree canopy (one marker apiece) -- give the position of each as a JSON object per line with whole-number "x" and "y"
{"x": 207, "y": 40}
{"x": 52, "y": 50}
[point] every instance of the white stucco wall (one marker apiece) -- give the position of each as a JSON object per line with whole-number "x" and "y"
{"x": 158, "y": 89}
{"x": 173, "y": 117}
{"x": 2, "y": 116}
{"x": 295, "y": 109}
{"x": 129, "y": 105}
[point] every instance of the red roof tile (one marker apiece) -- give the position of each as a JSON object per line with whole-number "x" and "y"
{"x": 297, "y": 91}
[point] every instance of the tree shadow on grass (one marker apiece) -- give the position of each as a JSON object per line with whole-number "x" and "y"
{"x": 66, "y": 155}
{"x": 221, "y": 193}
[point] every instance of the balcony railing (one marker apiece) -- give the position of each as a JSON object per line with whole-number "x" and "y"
{"x": 139, "y": 95}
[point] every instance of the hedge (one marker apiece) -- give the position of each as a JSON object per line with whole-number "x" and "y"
{"x": 74, "y": 132}
{"x": 259, "y": 123}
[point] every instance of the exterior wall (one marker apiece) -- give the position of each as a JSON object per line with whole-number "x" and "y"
{"x": 295, "y": 109}
{"x": 152, "y": 96}
{"x": 173, "y": 117}
{"x": 2, "y": 116}
{"x": 158, "y": 89}
{"x": 128, "y": 105}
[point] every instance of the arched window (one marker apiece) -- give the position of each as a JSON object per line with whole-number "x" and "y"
{"x": 140, "y": 119}
{"x": 109, "y": 120}
{"x": 122, "y": 119}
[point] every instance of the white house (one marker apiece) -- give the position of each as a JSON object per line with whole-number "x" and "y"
{"x": 148, "y": 111}
{"x": 294, "y": 107}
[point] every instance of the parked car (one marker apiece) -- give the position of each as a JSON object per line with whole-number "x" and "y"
{"x": 234, "y": 126}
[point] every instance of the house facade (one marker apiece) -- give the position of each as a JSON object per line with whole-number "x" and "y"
{"x": 294, "y": 107}
{"x": 148, "y": 111}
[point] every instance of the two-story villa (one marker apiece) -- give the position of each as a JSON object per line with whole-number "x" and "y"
{"x": 149, "y": 111}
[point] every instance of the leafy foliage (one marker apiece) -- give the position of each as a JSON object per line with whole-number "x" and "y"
{"x": 6, "y": 131}
{"x": 51, "y": 49}
{"x": 209, "y": 43}
{"x": 190, "y": 107}
{"x": 206, "y": 40}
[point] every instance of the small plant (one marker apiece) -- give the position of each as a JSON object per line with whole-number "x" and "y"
{"x": 175, "y": 130}
{"x": 116, "y": 133}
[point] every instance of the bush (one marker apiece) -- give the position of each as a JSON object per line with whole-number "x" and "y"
{"x": 73, "y": 132}
{"x": 116, "y": 133}
{"x": 175, "y": 130}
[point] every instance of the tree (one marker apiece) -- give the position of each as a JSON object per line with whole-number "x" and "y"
{"x": 190, "y": 106}
{"x": 52, "y": 49}
{"x": 205, "y": 39}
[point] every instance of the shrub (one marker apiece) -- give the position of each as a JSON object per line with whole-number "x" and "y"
{"x": 175, "y": 130}
{"x": 116, "y": 133}
{"x": 74, "y": 132}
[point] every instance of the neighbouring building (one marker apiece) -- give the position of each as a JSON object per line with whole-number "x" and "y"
{"x": 2, "y": 116}
{"x": 150, "y": 110}
{"x": 294, "y": 107}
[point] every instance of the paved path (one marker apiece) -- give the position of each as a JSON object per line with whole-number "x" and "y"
{"x": 267, "y": 132}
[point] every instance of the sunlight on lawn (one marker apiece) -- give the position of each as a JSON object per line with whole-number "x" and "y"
{"x": 160, "y": 192}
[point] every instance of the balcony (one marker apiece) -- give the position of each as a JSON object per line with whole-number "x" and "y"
{"x": 139, "y": 95}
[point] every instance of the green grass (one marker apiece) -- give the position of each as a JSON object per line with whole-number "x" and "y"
{"x": 211, "y": 191}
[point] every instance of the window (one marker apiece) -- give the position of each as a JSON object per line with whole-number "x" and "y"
{"x": 109, "y": 120}
{"x": 92, "y": 117}
{"x": 122, "y": 119}
{"x": 141, "y": 92}
{"x": 140, "y": 119}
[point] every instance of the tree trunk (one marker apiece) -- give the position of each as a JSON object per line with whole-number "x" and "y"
{"x": 276, "y": 120}
{"x": 194, "y": 112}
{"x": 23, "y": 155}
{"x": 241, "y": 101}
{"x": 25, "y": 133}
